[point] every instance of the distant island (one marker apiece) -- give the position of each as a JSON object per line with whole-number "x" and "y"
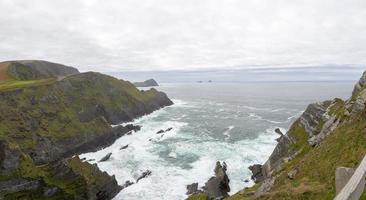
{"x": 147, "y": 83}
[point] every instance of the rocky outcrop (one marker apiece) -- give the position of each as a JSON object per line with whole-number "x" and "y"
{"x": 147, "y": 83}
{"x": 257, "y": 173}
{"x": 217, "y": 187}
{"x": 192, "y": 188}
{"x": 313, "y": 117}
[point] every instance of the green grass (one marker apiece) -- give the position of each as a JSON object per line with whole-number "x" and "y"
{"x": 16, "y": 84}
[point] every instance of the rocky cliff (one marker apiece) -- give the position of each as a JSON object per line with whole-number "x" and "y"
{"x": 43, "y": 125}
{"x": 327, "y": 135}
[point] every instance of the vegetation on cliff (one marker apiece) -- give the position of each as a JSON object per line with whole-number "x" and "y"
{"x": 42, "y": 125}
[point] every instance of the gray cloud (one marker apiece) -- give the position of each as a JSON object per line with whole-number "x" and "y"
{"x": 133, "y": 35}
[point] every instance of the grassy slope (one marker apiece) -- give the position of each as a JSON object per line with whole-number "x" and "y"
{"x": 7, "y": 82}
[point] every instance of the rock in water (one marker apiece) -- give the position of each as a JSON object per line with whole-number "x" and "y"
{"x": 278, "y": 131}
{"x": 143, "y": 175}
{"x": 192, "y": 188}
{"x": 127, "y": 184}
{"x": 147, "y": 83}
{"x": 218, "y": 185}
{"x": 106, "y": 157}
{"x": 169, "y": 129}
{"x": 124, "y": 147}
{"x": 159, "y": 132}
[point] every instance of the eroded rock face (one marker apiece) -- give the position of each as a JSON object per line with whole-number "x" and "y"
{"x": 313, "y": 117}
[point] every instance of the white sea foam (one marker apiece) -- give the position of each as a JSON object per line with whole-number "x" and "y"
{"x": 227, "y": 132}
{"x": 160, "y": 154}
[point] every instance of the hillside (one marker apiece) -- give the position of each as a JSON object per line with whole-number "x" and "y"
{"x": 26, "y": 73}
{"x": 43, "y": 125}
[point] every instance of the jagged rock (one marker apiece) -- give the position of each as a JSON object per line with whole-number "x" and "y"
{"x": 278, "y": 131}
{"x": 168, "y": 129}
{"x": 192, "y": 188}
{"x": 106, "y": 157}
{"x": 159, "y": 132}
{"x": 292, "y": 173}
{"x": 327, "y": 128}
{"x": 257, "y": 174}
{"x": 313, "y": 117}
{"x": 143, "y": 175}
{"x": 218, "y": 185}
{"x": 127, "y": 184}
{"x": 124, "y": 147}
{"x": 342, "y": 176}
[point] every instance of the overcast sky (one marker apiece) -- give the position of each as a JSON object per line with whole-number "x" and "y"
{"x": 148, "y": 35}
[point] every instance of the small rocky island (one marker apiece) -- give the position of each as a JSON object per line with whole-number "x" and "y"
{"x": 147, "y": 83}
{"x": 50, "y": 113}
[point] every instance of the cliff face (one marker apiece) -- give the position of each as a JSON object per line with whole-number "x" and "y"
{"x": 302, "y": 166}
{"x": 41, "y": 126}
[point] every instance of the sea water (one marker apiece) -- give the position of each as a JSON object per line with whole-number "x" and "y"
{"x": 231, "y": 122}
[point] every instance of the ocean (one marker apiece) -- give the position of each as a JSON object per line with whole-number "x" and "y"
{"x": 231, "y": 122}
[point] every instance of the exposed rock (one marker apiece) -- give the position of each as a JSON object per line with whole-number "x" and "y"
{"x": 218, "y": 185}
{"x": 106, "y": 157}
{"x": 246, "y": 181}
{"x": 292, "y": 173}
{"x": 50, "y": 191}
{"x": 313, "y": 116}
{"x": 19, "y": 184}
{"x": 265, "y": 187}
{"x": 257, "y": 174}
{"x": 192, "y": 188}
{"x": 127, "y": 184}
{"x": 143, "y": 175}
{"x": 168, "y": 129}
{"x": 147, "y": 83}
{"x": 278, "y": 131}
{"x": 342, "y": 176}
{"x": 124, "y": 147}
{"x": 327, "y": 128}
{"x": 159, "y": 132}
